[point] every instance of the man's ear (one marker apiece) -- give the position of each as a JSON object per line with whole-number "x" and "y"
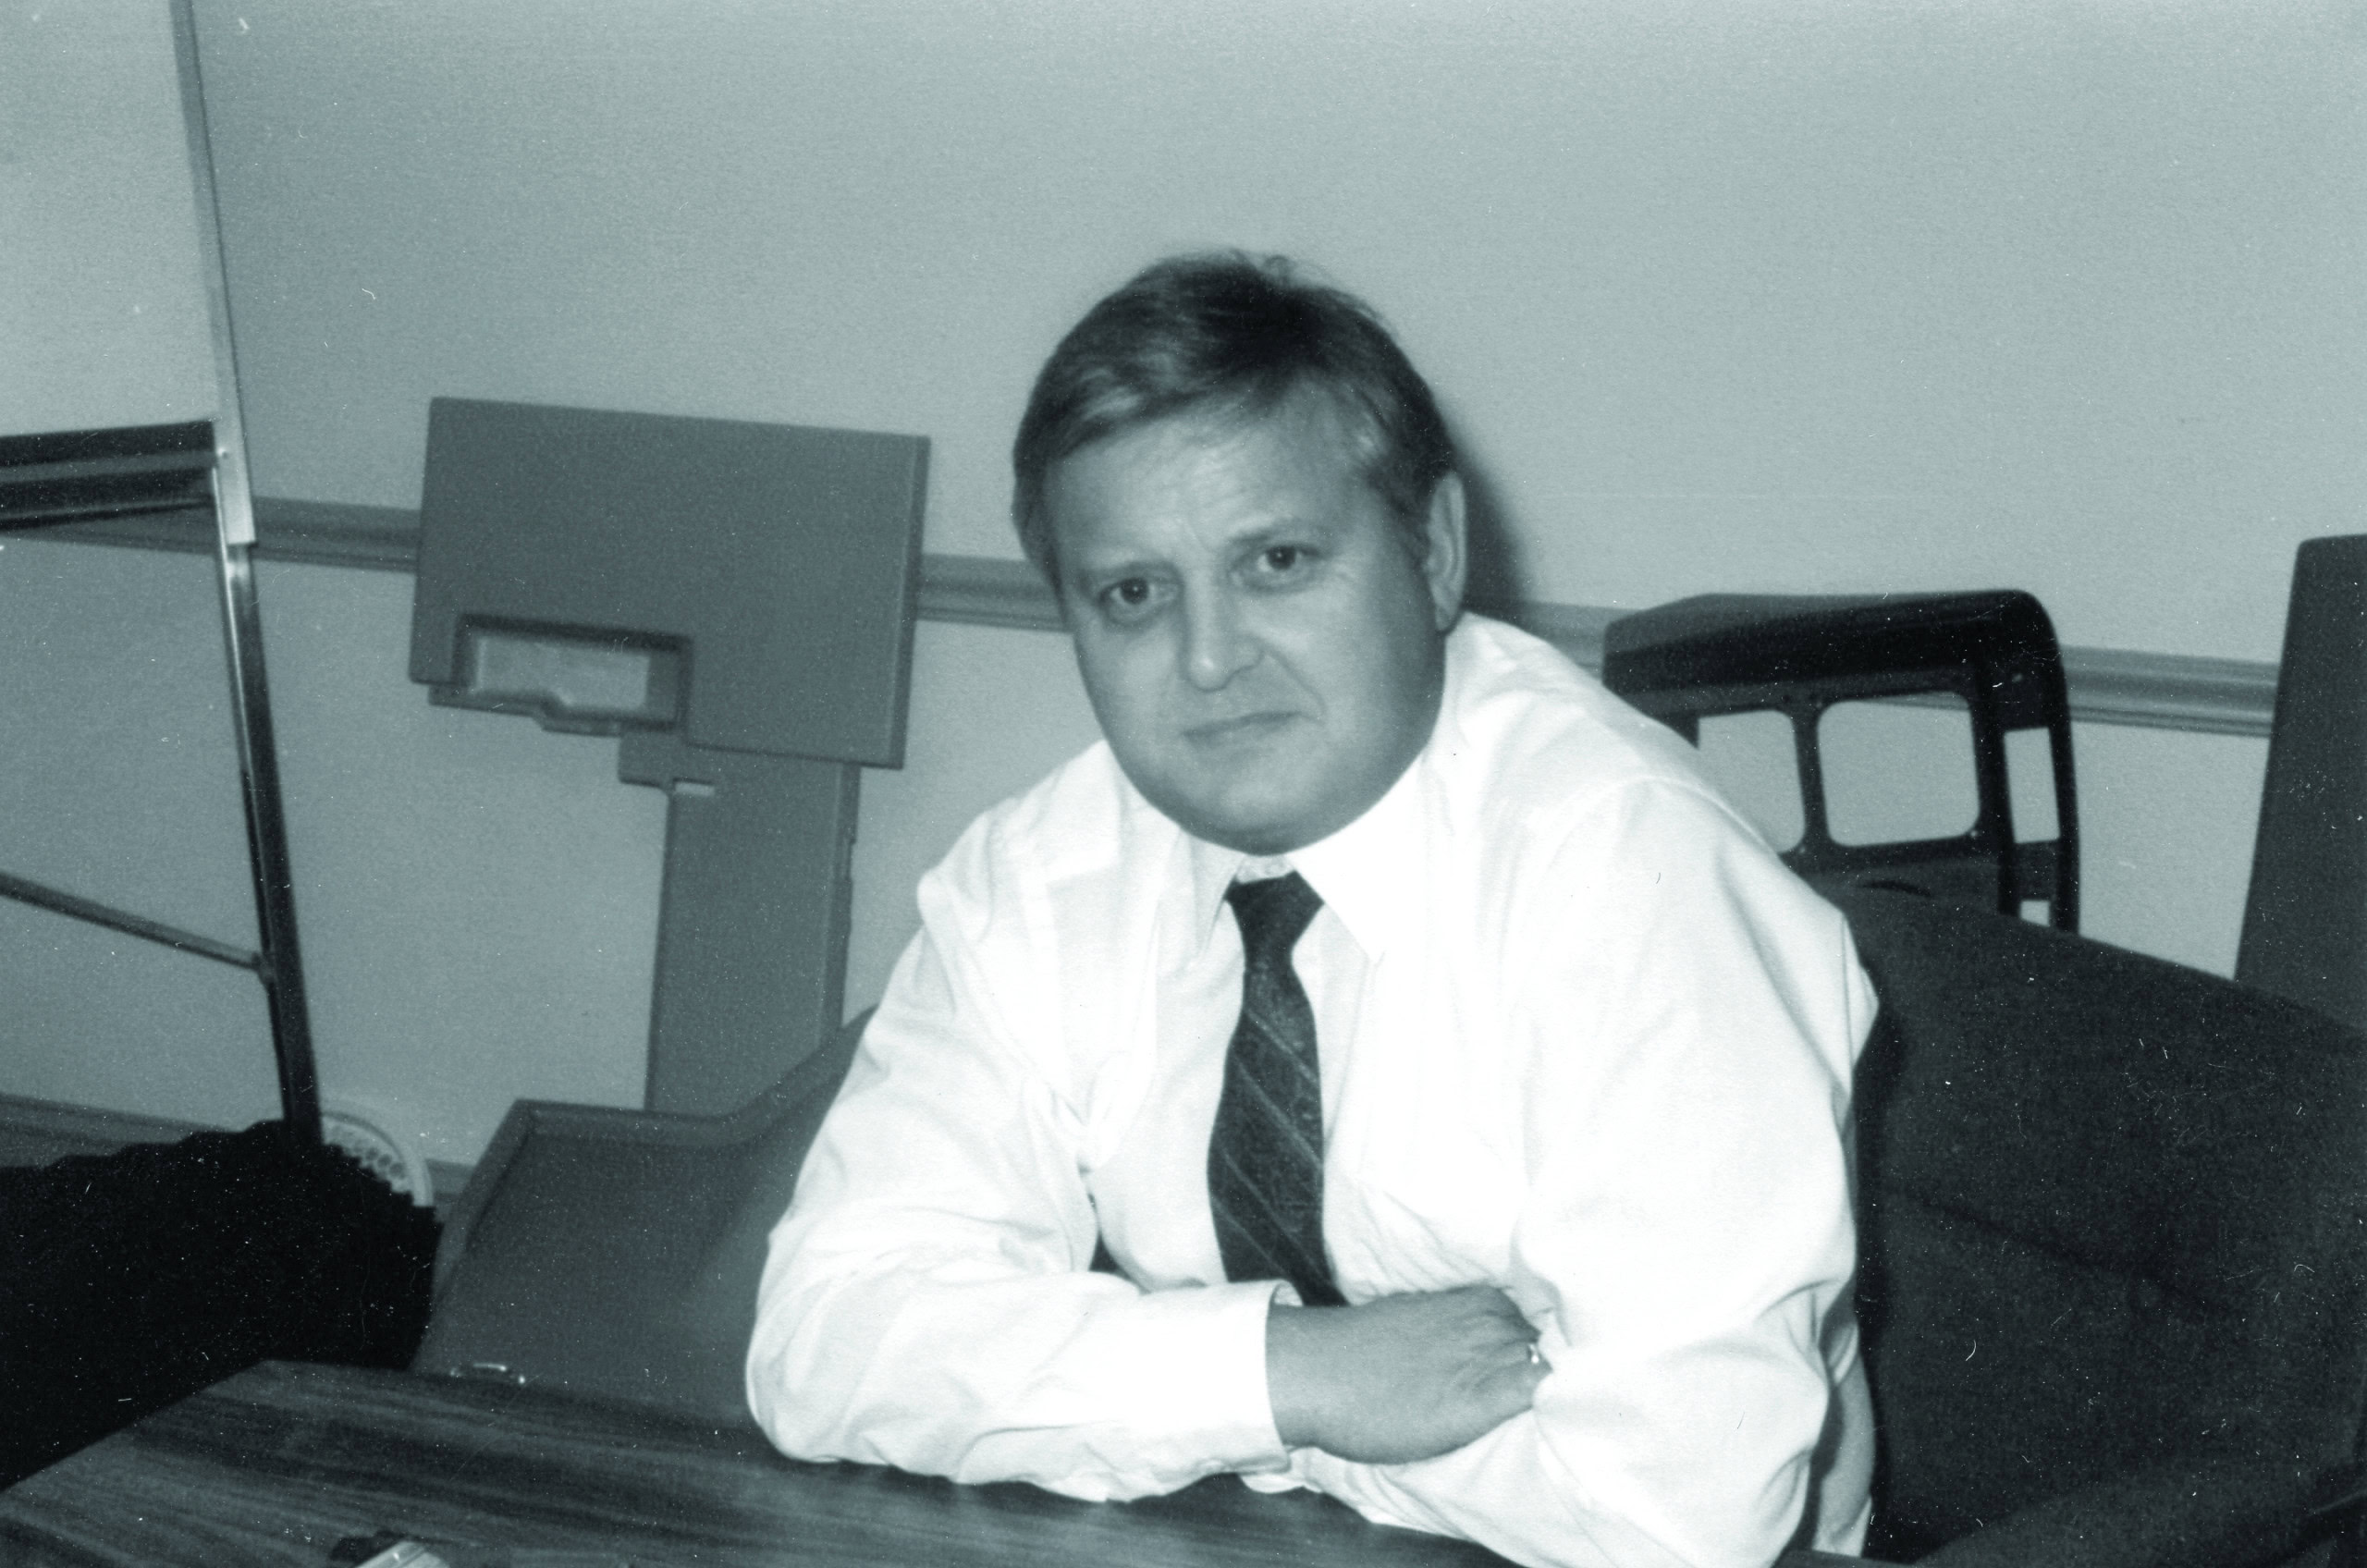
{"x": 1446, "y": 561}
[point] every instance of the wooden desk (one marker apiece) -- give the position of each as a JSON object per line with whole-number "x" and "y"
{"x": 279, "y": 1462}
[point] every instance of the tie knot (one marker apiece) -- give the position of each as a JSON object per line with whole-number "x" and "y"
{"x": 1273, "y": 913}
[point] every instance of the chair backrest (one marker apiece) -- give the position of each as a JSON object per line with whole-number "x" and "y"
{"x": 616, "y": 1253}
{"x": 1993, "y": 651}
{"x": 2113, "y": 1215}
{"x": 2305, "y": 918}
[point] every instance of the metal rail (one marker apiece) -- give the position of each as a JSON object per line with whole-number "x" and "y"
{"x": 280, "y": 967}
{"x": 130, "y": 925}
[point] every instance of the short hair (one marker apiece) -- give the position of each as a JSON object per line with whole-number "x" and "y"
{"x": 1231, "y": 336}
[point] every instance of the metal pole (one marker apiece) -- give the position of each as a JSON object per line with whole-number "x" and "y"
{"x": 112, "y": 919}
{"x": 281, "y": 967}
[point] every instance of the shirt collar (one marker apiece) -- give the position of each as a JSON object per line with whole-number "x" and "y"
{"x": 1214, "y": 868}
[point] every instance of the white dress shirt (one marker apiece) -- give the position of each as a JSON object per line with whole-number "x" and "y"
{"x": 1582, "y": 1037}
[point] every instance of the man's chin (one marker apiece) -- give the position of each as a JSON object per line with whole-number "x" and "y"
{"x": 1254, "y": 825}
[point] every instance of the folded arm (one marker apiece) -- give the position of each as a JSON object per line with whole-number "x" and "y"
{"x": 927, "y": 1303}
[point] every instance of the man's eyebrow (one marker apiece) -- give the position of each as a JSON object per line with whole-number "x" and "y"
{"x": 1285, "y": 531}
{"x": 1118, "y": 564}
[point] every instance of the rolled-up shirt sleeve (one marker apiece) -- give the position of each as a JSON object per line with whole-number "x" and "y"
{"x": 927, "y": 1301}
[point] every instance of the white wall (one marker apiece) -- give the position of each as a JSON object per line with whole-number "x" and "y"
{"x": 1832, "y": 295}
{"x": 2167, "y": 821}
{"x": 121, "y": 785}
{"x": 1838, "y": 294}
{"x": 103, "y": 316}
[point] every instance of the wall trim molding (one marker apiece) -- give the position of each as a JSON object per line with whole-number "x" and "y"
{"x": 2208, "y": 696}
{"x": 2204, "y": 696}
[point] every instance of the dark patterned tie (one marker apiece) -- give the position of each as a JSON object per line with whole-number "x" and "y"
{"x": 1266, "y": 1150}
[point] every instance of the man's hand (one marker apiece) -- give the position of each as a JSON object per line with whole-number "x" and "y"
{"x": 1400, "y": 1379}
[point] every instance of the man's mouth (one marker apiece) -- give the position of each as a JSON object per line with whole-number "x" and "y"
{"x": 1243, "y": 730}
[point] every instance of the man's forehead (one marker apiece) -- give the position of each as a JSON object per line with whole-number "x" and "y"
{"x": 1304, "y": 437}
{"x": 1305, "y": 420}
{"x": 1213, "y": 480}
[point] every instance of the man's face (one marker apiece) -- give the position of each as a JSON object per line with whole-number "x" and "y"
{"x": 1262, "y": 649}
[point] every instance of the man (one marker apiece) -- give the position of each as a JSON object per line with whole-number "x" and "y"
{"x": 1376, "y": 958}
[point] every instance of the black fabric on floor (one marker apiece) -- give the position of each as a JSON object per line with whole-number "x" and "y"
{"x": 129, "y": 1281}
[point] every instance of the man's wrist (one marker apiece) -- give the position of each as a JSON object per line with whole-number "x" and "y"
{"x": 1295, "y": 1383}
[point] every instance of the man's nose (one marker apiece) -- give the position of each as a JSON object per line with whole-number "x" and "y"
{"x": 1217, "y": 646}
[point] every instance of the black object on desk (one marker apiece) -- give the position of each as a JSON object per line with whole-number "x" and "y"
{"x": 131, "y": 1279}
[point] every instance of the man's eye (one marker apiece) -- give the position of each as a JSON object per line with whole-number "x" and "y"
{"x": 1128, "y": 598}
{"x": 1280, "y": 560}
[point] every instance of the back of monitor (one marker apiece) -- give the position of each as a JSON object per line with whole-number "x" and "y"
{"x": 735, "y": 600}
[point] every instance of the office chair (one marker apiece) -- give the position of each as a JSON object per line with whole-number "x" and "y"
{"x": 2113, "y": 1238}
{"x": 2305, "y": 916}
{"x": 1724, "y": 654}
{"x": 616, "y": 1254}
